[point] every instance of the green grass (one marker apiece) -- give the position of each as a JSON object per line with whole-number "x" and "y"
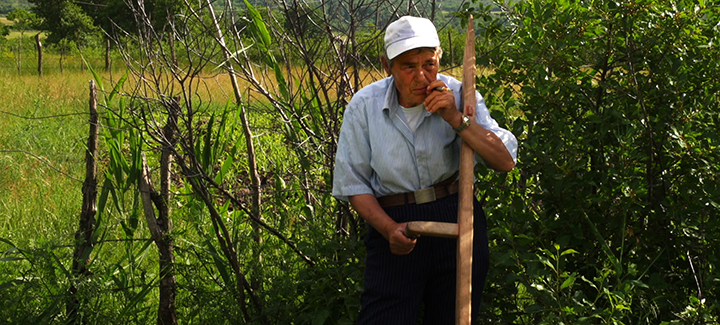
{"x": 41, "y": 158}
{"x": 43, "y": 135}
{"x": 72, "y": 65}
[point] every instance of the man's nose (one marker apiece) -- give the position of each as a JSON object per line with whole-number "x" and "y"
{"x": 421, "y": 75}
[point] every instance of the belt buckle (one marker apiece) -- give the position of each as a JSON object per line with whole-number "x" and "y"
{"x": 424, "y": 195}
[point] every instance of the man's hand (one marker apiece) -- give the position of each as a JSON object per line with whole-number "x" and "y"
{"x": 367, "y": 206}
{"x": 400, "y": 244}
{"x": 440, "y": 101}
{"x": 485, "y": 143}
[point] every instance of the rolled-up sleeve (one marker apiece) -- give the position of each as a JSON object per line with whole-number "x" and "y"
{"x": 352, "y": 161}
{"x": 483, "y": 118}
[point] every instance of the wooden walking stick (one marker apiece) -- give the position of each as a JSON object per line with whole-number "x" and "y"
{"x": 463, "y": 230}
{"x": 463, "y": 309}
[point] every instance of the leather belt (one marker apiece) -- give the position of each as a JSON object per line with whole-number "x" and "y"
{"x": 425, "y": 195}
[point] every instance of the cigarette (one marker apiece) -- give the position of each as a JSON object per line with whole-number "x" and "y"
{"x": 442, "y": 89}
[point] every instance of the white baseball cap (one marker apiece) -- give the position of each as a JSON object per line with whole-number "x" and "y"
{"x": 409, "y": 33}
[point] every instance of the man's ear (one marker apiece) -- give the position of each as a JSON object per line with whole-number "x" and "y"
{"x": 386, "y": 65}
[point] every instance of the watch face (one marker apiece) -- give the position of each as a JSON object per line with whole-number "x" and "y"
{"x": 465, "y": 123}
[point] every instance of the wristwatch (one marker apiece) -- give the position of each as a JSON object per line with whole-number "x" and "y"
{"x": 463, "y": 125}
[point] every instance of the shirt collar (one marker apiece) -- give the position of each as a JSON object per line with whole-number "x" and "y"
{"x": 391, "y": 97}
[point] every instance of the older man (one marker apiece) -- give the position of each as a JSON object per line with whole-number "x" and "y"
{"x": 399, "y": 135}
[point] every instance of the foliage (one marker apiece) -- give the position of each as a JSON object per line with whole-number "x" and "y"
{"x": 4, "y": 31}
{"x": 64, "y": 20}
{"x": 113, "y": 16}
{"x": 23, "y": 19}
{"x": 6, "y": 6}
{"x": 609, "y": 216}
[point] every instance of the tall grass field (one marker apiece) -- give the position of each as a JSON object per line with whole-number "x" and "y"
{"x": 43, "y": 124}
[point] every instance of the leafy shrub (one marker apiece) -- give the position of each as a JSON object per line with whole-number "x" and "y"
{"x": 609, "y": 215}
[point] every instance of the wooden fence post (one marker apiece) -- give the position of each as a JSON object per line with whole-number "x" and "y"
{"x": 38, "y": 45}
{"x": 107, "y": 55}
{"x": 18, "y": 60}
{"x": 161, "y": 225}
{"x": 83, "y": 236}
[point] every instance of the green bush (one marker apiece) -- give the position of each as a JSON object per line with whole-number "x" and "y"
{"x": 610, "y": 215}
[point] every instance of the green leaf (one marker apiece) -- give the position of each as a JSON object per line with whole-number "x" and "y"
{"x": 259, "y": 26}
{"x": 96, "y": 77}
{"x": 568, "y": 282}
{"x": 50, "y": 312}
{"x": 220, "y": 139}
{"x": 321, "y": 317}
{"x": 532, "y": 309}
{"x": 568, "y": 251}
{"x": 134, "y": 170}
{"x": 280, "y": 79}
{"x": 621, "y": 307}
{"x": 613, "y": 259}
{"x": 10, "y": 259}
{"x": 101, "y": 203}
{"x": 224, "y": 169}
{"x": 137, "y": 300}
{"x": 207, "y": 156}
{"x": 220, "y": 263}
{"x": 117, "y": 87}
{"x": 546, "y": 261}
{"x": 10, "y": 284}
{"x": 715, "y": 204}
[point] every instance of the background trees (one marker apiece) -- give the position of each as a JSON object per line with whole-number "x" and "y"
{"x": 6, "y": 6}
{"x": 23, "y": 21}
{"x": 64, "y": 20}
{"x": 4, "y": 30}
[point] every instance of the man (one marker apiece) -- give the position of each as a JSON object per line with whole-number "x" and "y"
{"x": 399, "y": 135}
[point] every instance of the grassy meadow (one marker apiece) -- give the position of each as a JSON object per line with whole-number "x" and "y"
{"x": 42, "y": 131}
{"x": 43, "y": 134}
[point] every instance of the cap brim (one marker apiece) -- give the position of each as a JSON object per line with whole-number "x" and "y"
{"x": 400, "y": 47}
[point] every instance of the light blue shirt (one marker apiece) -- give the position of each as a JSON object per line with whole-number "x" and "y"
{"x": 378, "y": 154}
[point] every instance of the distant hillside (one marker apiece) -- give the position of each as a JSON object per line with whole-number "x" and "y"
{"x": 7, "y": 6}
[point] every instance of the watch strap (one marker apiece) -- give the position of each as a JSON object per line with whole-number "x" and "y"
{"x": 463, "y": 125}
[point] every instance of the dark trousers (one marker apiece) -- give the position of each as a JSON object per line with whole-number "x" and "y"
{"x": 397, "y": 287}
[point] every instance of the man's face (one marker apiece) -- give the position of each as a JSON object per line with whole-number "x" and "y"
{"x": 413, "y": 71}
